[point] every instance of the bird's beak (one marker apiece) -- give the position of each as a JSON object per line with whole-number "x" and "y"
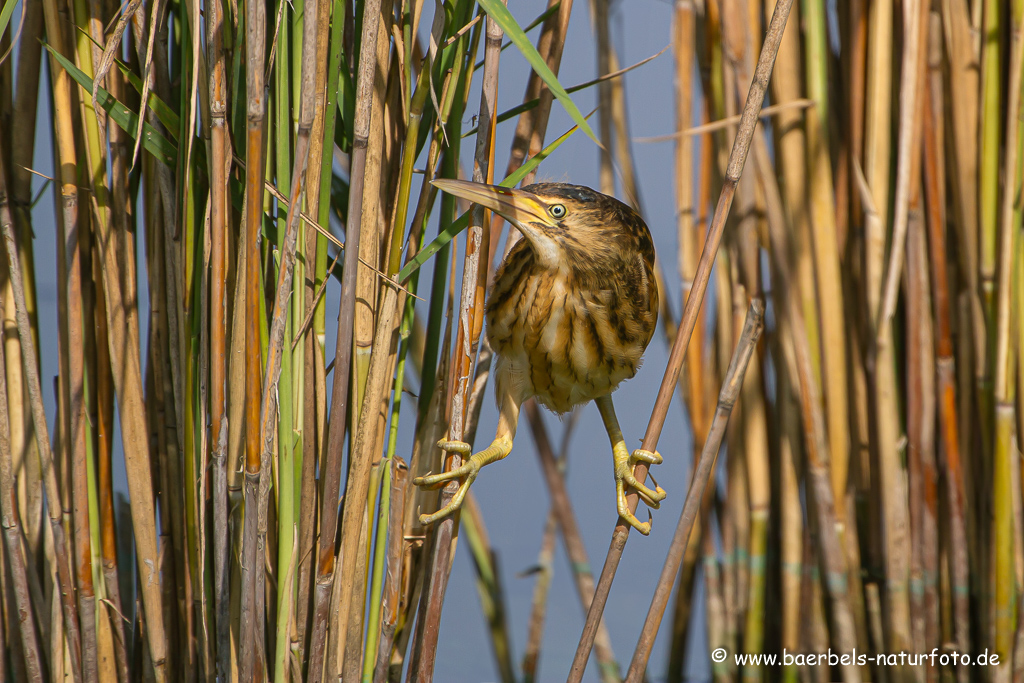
{"x": 522, "y": 209}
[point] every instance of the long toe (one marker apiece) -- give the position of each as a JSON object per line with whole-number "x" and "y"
{"x": 649, "y": 457}
{"x": 460, "y": 447}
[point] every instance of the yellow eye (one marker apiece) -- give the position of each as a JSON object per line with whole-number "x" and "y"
{"x": 558, "y": 211}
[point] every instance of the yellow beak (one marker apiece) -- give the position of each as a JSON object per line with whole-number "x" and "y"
{"x": 518, "y": 207}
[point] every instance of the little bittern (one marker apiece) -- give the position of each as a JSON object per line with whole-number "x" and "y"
{"x": 571, "y": 312}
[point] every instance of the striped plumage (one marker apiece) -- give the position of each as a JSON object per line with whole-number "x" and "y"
{"x": 572, "y": 332}
{"x": 573, "y": 307}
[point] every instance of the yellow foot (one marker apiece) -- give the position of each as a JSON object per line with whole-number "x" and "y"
{"x": 624, "y": 476}
{"x": 467, "y": 472}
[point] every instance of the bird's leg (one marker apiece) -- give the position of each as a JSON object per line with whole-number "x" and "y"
{"x": 624, "y": 462}
{"x": 470, "y": 468}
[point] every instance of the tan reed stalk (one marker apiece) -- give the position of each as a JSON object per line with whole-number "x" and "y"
{"x": 824, "y": 521}
{"x": 964, "y": 91}
{"x": 754, "y": 99}
{"x": 116, "y": 245}
{"x": 372, "y": 237}
{"x": 890, "y": 481}
{"x": 356, "y": 491}
{"x": 368, "y": 437}
{"x": 752, "y": 328}
{"x": 908, "y": 154}
{"x": 826, "y": 253}
{"x": 690, "y": 223}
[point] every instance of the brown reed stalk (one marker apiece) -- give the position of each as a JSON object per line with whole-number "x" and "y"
{"x": 561, "y": 506}
{"x": 69, "y": 190}
{"x": 12, "y": 530}
{"x": 921, "y": 471}
{"x": 912, "y": 72}
{"x": 467, "y": 341}
{"x": 275, "y": 349}
{"x": 251, "y": 658}
{"x": 690, "y": 223}
{"x": 956, "y": 545}
{"x": 752, "y": 328}
{"x": 698, "y": 396}
{"x": 736, "y": 160}
{"x": 220, "y": 166}
{"x": 343, "y": 355}
{"x": 23, "y": 127}
{"x": 314, "y": 391}
{"x": 393, "y": 572}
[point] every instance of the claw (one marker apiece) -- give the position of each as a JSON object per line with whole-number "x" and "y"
{"x": 624, "y": 477}
{"x": 467, "y": 472}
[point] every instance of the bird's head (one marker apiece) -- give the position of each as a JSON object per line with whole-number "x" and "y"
{"x": 568, "y": 226}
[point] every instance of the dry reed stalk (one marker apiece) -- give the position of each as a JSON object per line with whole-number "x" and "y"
{"x": 698, "y": 395}
{"x": 269, "y": 405}
{"x": 23, "y": 126}
{"x": 251, "y": 658}
{"x": 956, "y": 545}
{"x": 372, "y": 238}
{"x": 467, "y": 338}
{"x": 313, "y": 396}
{"x": 117, "y": 248}
{"x": 69, "y": 193}
{"x": 964, "y": 91}
{"x": 105, "y": 447}
{"x": 921, "y": 471}
{"x": 29, "y": 643}
{"x": 532, "y": 124}
{"x": 890, "y": 482}
{"x": 343, "y": 354}
{"x": 822, "y": 209}
{"x": 824, "y": 521}
{"x": 690, "y": 223}
{"x": 1006, "y": 453}
{"x": 908, "y": 156}
{"x": 599, "y": 12}
{"x": 737, "y": 158}
{"x": 752, "y": 328}
{"x": 539, "y": 604}
{"x": 561, "y": 506}
{"x": 220, "y": 225}
{"x": 368, "y": 435}
{"x": 393, "y": 572}
{"x": 791, "y": 521}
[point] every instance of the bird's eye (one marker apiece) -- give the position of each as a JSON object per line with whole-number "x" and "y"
{"x": 558, "y": 211}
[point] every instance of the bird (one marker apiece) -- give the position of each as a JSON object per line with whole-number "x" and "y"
{"x": 572, "y": 309}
